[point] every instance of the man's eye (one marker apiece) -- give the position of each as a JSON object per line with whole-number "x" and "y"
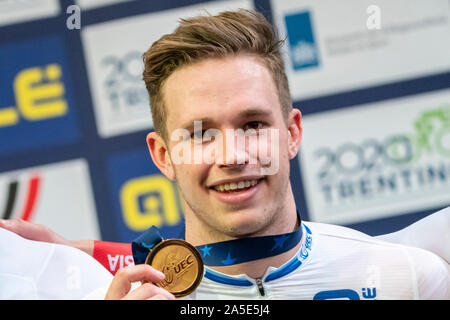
{"x": 197, "y": 135}
{"x": 255, "y": 125}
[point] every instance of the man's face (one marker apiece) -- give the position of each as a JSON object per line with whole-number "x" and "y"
{"x": 229, "y": 94}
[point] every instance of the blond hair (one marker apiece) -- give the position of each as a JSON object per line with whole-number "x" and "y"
{"x": 202, "y": 37}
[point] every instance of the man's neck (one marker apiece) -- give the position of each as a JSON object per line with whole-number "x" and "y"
{"x": 257, "y": 268}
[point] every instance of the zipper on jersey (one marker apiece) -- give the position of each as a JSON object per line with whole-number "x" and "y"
{"x": 260, "y": 287}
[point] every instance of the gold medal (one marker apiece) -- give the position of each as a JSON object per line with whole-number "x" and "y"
{"x": 180, "y": 262}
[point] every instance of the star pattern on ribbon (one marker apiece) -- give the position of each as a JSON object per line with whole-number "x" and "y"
{"x": 206, "y": 250}
{"x": 228, "y": 260}
{"x": 279, "y": 242}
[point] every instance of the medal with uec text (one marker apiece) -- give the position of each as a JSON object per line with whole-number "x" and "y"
{"x": 180, "y": 262}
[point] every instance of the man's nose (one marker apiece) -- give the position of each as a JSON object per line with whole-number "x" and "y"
{"x": 235, "y": 150}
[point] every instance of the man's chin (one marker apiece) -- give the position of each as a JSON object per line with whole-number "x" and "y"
{"x": 243, "y": 223}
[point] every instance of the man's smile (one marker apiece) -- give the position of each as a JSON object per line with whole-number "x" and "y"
{"x": 236, "y": 191}
{"x": 235, "y": 186}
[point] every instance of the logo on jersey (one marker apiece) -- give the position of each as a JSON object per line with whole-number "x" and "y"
{"x": 36, "y": 106}
{"x": 303, "y": 49}
{"x": 346, "y": 294}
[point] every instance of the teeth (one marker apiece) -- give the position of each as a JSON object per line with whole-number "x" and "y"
{"x": 235, "y": 185}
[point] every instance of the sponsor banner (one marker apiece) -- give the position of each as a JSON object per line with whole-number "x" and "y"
{"x": 15, "y": 11}
{"x": 36, "y": 96}
{"x": 331, "y": 48}
{"x": 89, "y": 4}
{"x": 142, "y": 197}
{"x": 114, "y": 63}
{"x": 377, "y": 160}
{"x": 57, "y": 195}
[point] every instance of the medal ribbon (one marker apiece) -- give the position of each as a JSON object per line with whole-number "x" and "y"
{"x": 225, "y": 253}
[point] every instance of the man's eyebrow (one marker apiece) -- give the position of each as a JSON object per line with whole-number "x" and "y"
{"x": 242, "y": 114}
{"x": 255, "y": 112}
{"x": 190, "y": 125}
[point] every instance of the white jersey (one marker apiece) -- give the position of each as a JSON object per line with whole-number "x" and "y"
{"x": 339, "y": 263}
{"x": 431, "y": 233}
{"x": 40, "y": 270}
{"x": 333, "y": 263}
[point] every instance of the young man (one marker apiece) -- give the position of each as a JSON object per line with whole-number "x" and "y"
{"x": 227, "y": 72}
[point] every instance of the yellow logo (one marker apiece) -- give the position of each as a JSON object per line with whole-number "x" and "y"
{"x": 39, "y": 95}
{"x": 158, "y": 202}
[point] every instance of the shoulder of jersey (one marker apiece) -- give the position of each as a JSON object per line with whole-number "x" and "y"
{"x": 336, "y": 231}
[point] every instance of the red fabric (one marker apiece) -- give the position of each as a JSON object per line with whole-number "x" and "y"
{"x": 113, "y": 255}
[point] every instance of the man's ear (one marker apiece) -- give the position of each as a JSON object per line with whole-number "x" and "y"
{"x": 295, "y": 131}
{"x": 160, "y": 154}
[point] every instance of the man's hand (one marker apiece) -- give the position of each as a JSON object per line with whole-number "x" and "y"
{"x": 121, "y": 284}
{"x": 39, "y": 232}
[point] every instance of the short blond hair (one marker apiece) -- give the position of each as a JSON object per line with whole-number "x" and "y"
{"x": 202, "y": 37}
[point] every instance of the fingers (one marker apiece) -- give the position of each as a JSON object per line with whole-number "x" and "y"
{"x": 9, "y": 224}
{"x": 121, "y": 284}
{"x": 39, "y": 232}
{"x": 149, "y": 291}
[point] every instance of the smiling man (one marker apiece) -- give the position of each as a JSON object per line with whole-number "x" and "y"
{"x": 218, "y": 208}
{"x": 227, "y": 72}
